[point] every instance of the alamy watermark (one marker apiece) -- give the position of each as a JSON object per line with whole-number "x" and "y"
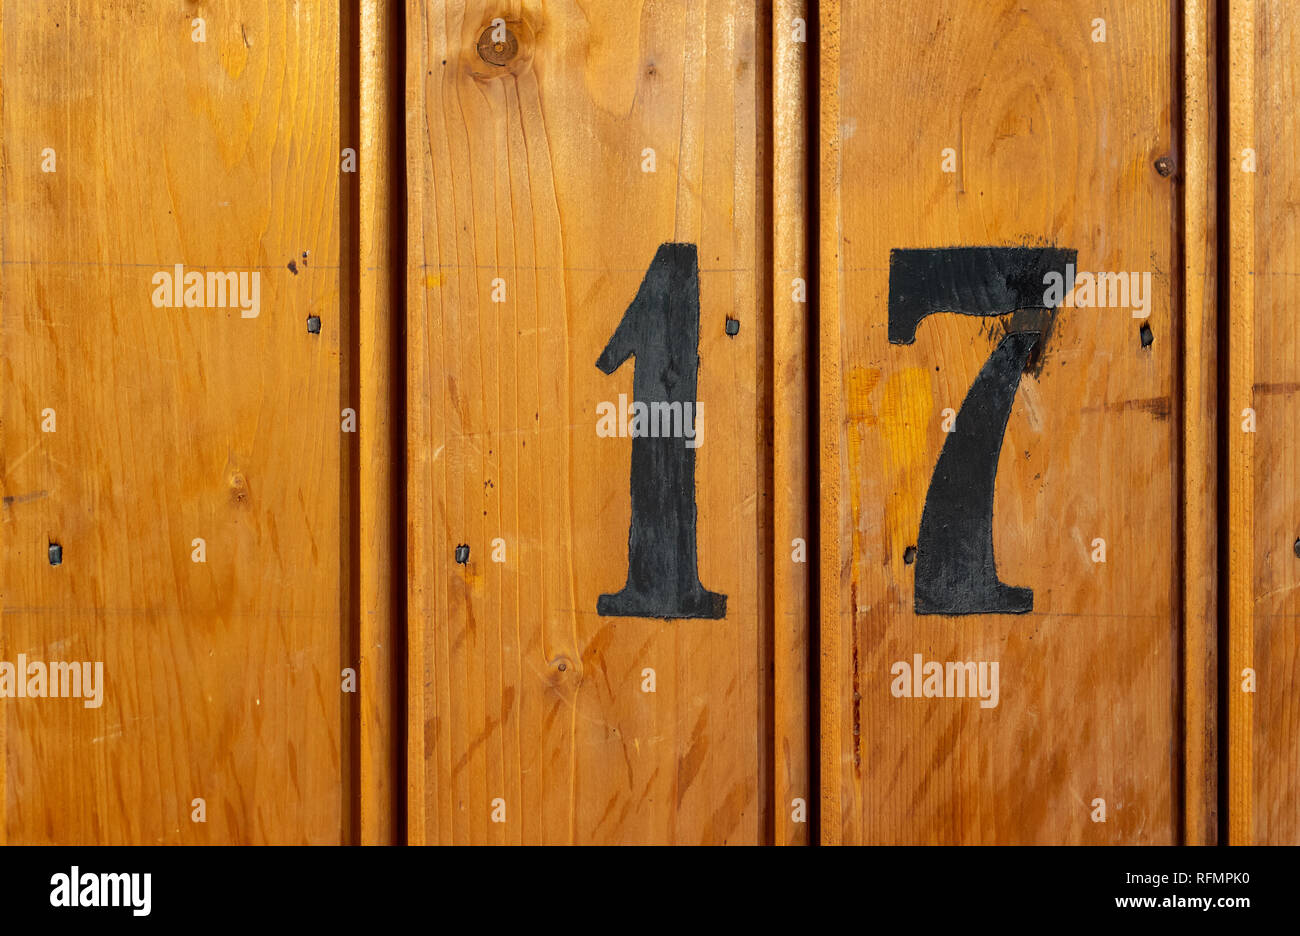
{"x": 951, "y": 679}
{"x": 78, "y": 889}
{"x": 1098, "y": 291}
{"x": 216, "y": 290}
{"x": 54, "y": 680}
{"x": 657, "y": 420}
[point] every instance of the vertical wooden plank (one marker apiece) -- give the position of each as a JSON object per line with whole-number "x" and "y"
{"x": 792, "y": 414}
{"x": 534, "y": 216}
{"x": 382, "y": 428}
{"x": 831, "y": 468}
{"x": 221, "y": 678}
{"x": 1242, "y": 586}
{"x": 4, "y": 447}
{"x": 1199, "y": 410}
{"x": 1264, "y": 378}
{"x": 1013, "y": 126}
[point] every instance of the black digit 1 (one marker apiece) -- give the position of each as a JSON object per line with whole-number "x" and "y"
{"x": 661, "y": 328}
{"x": 955, "y": 569}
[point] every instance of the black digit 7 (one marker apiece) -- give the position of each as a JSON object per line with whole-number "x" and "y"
{"x": 661, "y": 328}
{"x": 955, "y": 568}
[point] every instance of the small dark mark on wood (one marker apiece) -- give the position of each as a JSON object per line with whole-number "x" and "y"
{"x": 909, "y": 555}
{"x": 462, "y": 554}
{"x": 1159, "y": 407}
{"x": 56, "y": 554}
{"x": 857, "y": 678}
{"x": 1165, "y": 166}
{"x": 733, "y": 326}
{"x": 313, "y": 324}
{"x": 293, "y": 268}
{"x": 238, "y": 489}
{"x": 1266, "y": 388}
{"x": 13, "y": 499}
{"x": 1144, "y": 334}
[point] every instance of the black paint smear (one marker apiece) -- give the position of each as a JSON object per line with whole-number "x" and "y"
{"x": 1041, "y": 321}
{"x": 661, "y": 328}
{"x": 979, "y": 281}
{"x": 955, "y": 569}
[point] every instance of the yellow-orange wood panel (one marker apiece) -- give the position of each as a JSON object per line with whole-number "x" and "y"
{"x": 1199, "y": 393}
{"x": 416, "y": 458}
{"x": 793, "y": 471}
{"x": 136, "y": 138}
{"x": 379, "y": 200}
{"x": 546, "y": 165}
{"x": 1261, "y": 424}
{"x": 1023, "y": 125}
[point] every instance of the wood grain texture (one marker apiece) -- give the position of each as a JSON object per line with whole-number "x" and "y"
{"x": 1241, "y": 399}
{"x": 531, "y": 172}
{"x": 1055, "y": 138}
{"x": 222, "y": 678}
{"x": 1200, "y": 456}
{"x": 1264, "y": 375}
{"x": 5, "y": 535}
{"x": 793, "y": 508}
{"x": 831, "y": 468}
{"x": 381, "y": 198}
